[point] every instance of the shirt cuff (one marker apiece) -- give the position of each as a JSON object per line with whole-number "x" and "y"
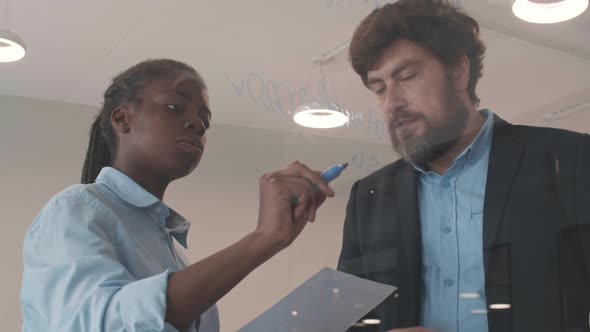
{"x": 143, "y": 304}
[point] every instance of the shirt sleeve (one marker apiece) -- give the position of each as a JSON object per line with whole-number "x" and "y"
{"x": 73, "y": 280}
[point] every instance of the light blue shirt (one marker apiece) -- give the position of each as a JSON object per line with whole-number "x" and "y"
{"x": 451, "y": 217}
{"x": 98, "y": 257}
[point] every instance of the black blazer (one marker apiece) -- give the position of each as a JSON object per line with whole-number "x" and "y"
{"x": 536, "y": 233}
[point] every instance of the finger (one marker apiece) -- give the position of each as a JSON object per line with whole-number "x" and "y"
{"x": 321, "y": 185}
{"x": 301, "y": 215}
{"x": 299, "y": 169}
{"x": 309, "y": 206}
{"x": 298, "y": 226}
{"x": 313, "y": 212}
{"x": 318, "y": 199}
{"x": 298, "y": 186}
{"x": 295, "y": 163}
{"x": 302, "y": 211}
{"x": 321, "y": 199}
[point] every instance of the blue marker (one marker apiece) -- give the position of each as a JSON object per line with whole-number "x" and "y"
{"x": 327, "y": 175}
{"x": 333, "y": 172}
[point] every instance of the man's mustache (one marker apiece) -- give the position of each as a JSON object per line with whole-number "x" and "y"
{"x": 402, "y": 116}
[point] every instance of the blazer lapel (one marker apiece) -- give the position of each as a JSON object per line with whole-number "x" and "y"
{"x": 406, "y": 205}
{"x": 505, "y": 157}
{"x": 407, "y": 210}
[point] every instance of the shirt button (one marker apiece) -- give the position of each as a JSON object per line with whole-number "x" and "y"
{"x": 446, "y": 184}
{"x": 449, "y": 282}
{"x": 446, "y": 229}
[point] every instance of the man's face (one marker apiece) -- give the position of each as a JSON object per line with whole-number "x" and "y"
{"x": 419, "y": 101}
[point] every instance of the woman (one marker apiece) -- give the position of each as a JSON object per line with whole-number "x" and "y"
{"x": 100, "y": 255}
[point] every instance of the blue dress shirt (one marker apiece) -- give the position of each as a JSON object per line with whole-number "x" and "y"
{"x": 98, "y": 257}
{"x": 451, "y": 217}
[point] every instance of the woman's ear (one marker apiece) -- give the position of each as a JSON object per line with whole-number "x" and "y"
{"x": 120, "y": 117}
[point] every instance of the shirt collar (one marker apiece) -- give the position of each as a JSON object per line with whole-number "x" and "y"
{"x": 125, "y": 187}
{"x": 482, "y": 141}
{"x": 131, "y": 192}
{"x": 177, "y": 226}
{"x": 480, "y": 144}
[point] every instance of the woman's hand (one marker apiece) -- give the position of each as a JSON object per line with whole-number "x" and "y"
{"x": 289, "y": 198}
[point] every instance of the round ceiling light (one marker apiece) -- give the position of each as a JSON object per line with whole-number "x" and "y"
{"x": 553, "y": 12}
{"x": 372, "y": 321}
{"x": 316, "y": 115}
{"x": 12, "y": 47}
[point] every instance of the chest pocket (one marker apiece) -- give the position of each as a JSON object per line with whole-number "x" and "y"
{"x": 476, "y": 213}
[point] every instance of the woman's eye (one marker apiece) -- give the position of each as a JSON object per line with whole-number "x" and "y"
{"x": 174, "y": 107}
{"x": 206, "y": 123}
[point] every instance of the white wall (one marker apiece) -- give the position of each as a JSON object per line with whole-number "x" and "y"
{"x": 42, "y": 146}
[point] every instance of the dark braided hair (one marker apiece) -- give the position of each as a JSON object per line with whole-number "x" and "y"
{"x": 124, "y": 88}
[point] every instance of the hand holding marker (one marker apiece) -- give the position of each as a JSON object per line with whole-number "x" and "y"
{"x": 327, "y": 175}
{"x": 332, "y": 173}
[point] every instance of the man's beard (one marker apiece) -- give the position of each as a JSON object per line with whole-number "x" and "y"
{"x": 437, "y": 139}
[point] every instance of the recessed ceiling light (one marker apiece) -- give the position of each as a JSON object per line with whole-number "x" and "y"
{"x": 479, "y": 311}
{"x": 469, "y": 295}
{"x": 553, "y": 12}
{"x": 371, "y": 321}
{"x": 500, "y": 306}
{"x": 12, "y": 47}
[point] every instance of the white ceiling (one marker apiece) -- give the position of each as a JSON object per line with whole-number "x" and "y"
{"x": 75, "y": 47}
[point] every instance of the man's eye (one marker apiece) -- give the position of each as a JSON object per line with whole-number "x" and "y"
{"x": 378, "y": 90}
{"x": 408, "y": 77}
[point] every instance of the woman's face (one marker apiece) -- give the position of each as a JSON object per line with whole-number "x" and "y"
{"x": 167, "y": 126}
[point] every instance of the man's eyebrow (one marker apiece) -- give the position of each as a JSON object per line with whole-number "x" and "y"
{"x": 403, "y": 65}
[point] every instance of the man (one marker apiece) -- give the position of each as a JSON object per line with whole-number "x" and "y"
{"x": 483, "y": 225}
